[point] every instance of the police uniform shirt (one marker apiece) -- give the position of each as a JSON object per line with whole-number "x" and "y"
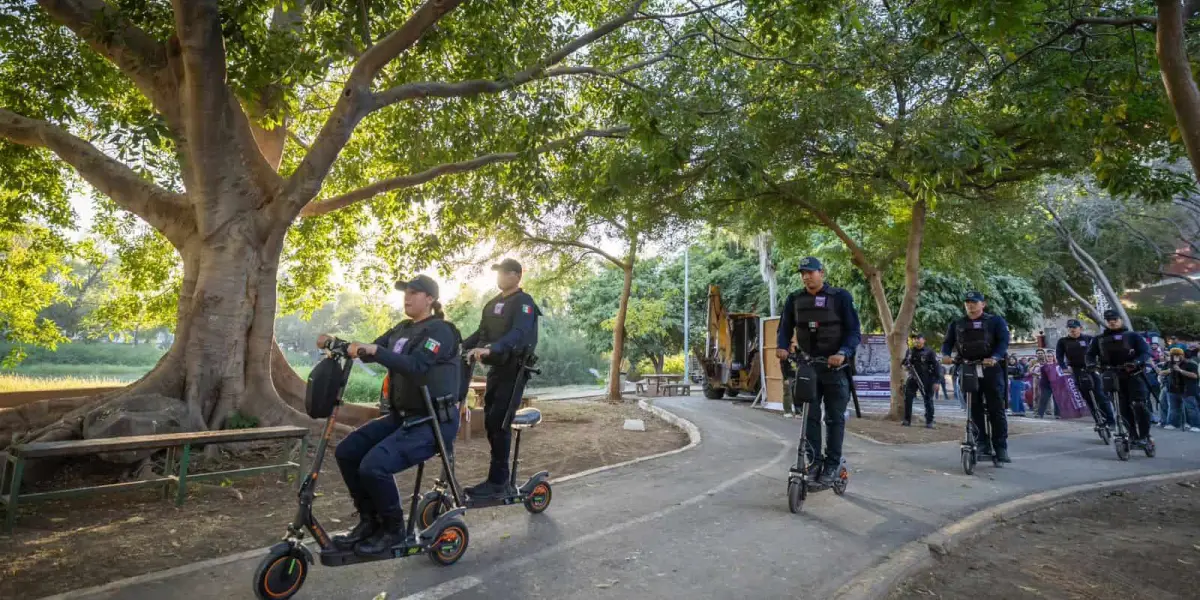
{"x": 1138, "y": 349}
{"x": 995, "y": 325}
{"x": 1072, "y": 351}
{"x": 411, "y": 350}
{"x": 509, "y": 323}
{"x": 844, "y": 307}
{"x": 924, "y": 362}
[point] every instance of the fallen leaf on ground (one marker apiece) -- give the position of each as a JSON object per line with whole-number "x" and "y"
{"x": 608, "y": 584}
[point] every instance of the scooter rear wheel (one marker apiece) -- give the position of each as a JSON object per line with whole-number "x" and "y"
{"x": 280, "y": 575}
{"x": 1150, "y": 449}
{"x": 1122, "y": 449}
{"x": 968, "y": 461}
{"x": 449, "y": 542}
{"x": 539, "y": 498}
{"x": 797, "y": 494}
{"x": 843, "y": 480}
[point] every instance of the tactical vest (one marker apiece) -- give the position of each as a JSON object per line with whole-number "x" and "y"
{"x": 974, "y": 338}
{"x": 1076, "y": 349}
{"x": 924, "y": 362}
{"x": 818, "y": 326}
{"x": 498, "y": 316}
{"x": 1116, "y": 348}
{"x": 403, "y": 392}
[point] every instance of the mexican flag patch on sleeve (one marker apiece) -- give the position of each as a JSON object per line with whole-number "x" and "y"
{"x": 433, "y": 345}
{"x": 525, "y": 308}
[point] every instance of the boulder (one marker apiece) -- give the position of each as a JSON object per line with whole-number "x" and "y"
{"x": 143, "y": 414}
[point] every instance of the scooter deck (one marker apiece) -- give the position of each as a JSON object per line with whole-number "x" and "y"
{"x": 488, "y": 502}
{"x": 341, "y": 558}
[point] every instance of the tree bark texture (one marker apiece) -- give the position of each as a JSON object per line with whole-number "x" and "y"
{"x": 1176, "y": 68}
{"x": 897, "y": 336}
{"x": 618, "y": 352}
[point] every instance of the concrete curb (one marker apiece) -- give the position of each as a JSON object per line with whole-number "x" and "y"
{"x": 878, "y": 581}
{"x": 690, "y": 428}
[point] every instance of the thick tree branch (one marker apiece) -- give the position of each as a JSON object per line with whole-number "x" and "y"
{"x": 1092, "y": 312}
{"x": 357, "y": 101}
{"x": 138, "y": 55}
{"x": 415, "y": 179}
{"x": 165, "y": 211}
{"x": 1177, "y": 77}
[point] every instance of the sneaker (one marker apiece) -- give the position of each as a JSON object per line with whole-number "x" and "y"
{"x": 929, "y": 425}
{"x": 1002, "y": 455}
{"x": 985, "y": 449}
{"x": 906, "y": 423}
{"x": 1169, "y": 427}
{"x": 489, "y": 490}
{"x": 829, "y": 473}
{"x": 788, "y": 415}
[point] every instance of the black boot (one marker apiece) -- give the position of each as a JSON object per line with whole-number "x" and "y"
{"x": 1002, "y": 455}
{"x": 390, "y": 534}
{"x": 368, "y": 524}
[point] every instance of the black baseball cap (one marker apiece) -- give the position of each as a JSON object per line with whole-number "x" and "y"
{"x": 1074, "y": 323}
{"x": 508, "y": 264}
{"x": 973, "y": 296}
{"x": 810, "y": 263}
{"x": 918, "y": 336}
{"x": 420, "y": 283}
{"x": 1111, "y": 314}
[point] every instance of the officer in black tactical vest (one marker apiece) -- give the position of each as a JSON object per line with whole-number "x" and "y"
{"x": 981, "y": 336}
{"x": 1128, "y": 353}
{"x": 823, "y": 320}
{"x": 924, "y": 375}
{"x": 1071, "y": 351}
{"x": 422, "y": 350}
{"x": 507, "y": 336}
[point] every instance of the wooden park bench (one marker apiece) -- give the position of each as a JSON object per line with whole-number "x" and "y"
{"x": 641, "y": 387}
{"x": 677, "y": 389}
{"x": 179, "y": 450}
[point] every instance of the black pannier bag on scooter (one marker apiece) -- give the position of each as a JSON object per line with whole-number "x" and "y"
{"x": 1084, "y": 382}
{"x": 970, "y": 379}
{"x": 804, "y": 385}
{"x": 320, "y": 394}
{"x": 1110, "y": 381}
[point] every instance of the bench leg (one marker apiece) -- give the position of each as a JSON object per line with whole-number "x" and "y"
{"x": 168, "y": 470}
{"x": 14, "y": 493}
{"x": 181, "y": 490}
{"x": 301, "y": 460}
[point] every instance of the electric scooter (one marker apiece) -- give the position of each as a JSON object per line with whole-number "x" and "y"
{"x": 1121, "y": 442}
{"x": 799, "y": 483}
{"x": 970, "y": 374}
{"x": 283, "y": 571}
{"x": 535, "y": 493}
{"x": 1083, "y": 381}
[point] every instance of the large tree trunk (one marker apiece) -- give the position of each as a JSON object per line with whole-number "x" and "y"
{"x": 897, "y": 336}
{"x": 1177, "y": 76}
{"x": 767, "y": 269}
{"x": 614, "y": 371}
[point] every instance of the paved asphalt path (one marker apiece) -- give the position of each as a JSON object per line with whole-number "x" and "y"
{"x": 712, "y": 522}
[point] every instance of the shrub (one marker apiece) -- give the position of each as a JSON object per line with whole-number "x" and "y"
{"x": 1178, "y": 321}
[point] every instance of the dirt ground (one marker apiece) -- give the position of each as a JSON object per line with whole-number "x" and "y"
{"x": 878, "y": 428}
{"x": 61, "y": 545}
{"x": 1142, "y": 542}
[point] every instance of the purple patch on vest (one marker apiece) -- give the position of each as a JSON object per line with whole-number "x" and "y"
{"x": 977, "y": 324}
{"x": 820, "y": 300}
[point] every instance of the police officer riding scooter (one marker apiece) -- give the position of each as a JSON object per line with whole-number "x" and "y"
{"x": 505, "y": 341}
{"x": 826, "y": 329}
{"x": 981, "y": 342}
{"x": 1122, "y": 355}
{"x": 1071, "y": 351}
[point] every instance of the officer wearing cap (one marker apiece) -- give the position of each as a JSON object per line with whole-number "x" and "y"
{"x": 924, "y": 375}
{"x": 507, "y": 336}
{"x": 825, "y": 325}
{"x": 981, "y": 336}
{"x": 1124, "y": 354}
{"x": 422, "y": 350}
{"x": 1071, "y": 351}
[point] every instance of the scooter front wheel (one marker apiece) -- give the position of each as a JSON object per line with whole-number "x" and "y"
{"x": 1105, "y": 436}
{"x": 280, "y": 575}
{"x": 539, "y": 498}
{"x": 842, "y": 481}
{"x": 449, "y": 543}
{"x": 1122, "y": 446}
{"x": 431, "y": 507}
{"x": 968, "y": 461}
{"x": 797, "y": 494}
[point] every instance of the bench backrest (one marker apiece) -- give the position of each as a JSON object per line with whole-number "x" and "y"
{"x": 143, "y": 442}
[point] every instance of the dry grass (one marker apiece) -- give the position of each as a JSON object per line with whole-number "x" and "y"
{"x": 22, "y": 383}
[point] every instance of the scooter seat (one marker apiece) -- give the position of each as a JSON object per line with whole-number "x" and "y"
{"x": 526, "y": 418}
